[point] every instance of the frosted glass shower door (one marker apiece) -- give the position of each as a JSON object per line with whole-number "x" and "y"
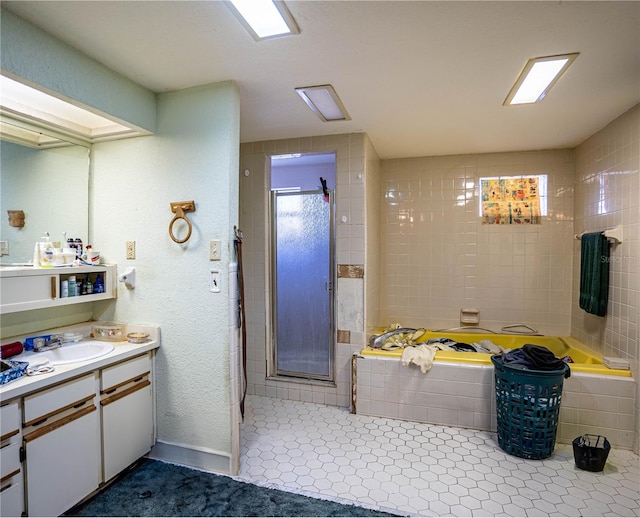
{"x": 303, "y": 278}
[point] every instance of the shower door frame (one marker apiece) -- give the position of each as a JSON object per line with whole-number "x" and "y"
{"x": 272, "y": 363}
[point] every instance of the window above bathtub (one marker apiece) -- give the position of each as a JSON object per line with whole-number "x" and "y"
{"x": 508, "y": 200}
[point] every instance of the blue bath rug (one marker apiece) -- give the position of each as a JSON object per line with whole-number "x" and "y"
{"x": 155, "y": 488}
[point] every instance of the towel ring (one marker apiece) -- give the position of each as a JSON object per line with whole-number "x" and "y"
{"x": 180, "y": 208}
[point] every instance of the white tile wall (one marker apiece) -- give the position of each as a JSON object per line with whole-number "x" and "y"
{"x": 438, "y": 257}
{"x": 464, "y": 397}
{"x": 413, "y": 223}
{"x": 373, "y": 277}
{"x": 350, "y": 249}
{"x": 607, "y": 195}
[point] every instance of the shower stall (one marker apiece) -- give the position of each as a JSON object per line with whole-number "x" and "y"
{"x": 302, "y": 268}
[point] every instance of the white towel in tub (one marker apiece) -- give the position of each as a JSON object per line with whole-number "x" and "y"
{"x": 422, "y": 355}
{"x": 489, "y": 347}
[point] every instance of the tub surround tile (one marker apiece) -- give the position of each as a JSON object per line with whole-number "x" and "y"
{"x": 386, "y": 388}
{"x": 350, "y": 271}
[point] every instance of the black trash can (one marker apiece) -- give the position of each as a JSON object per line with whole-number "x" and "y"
{"x": 591, "y": 452}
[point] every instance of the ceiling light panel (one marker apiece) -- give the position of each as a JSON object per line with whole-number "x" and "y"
{"x": 23, "y": 103}
{"x": 324, "y": 102}
{"x": 537, "y": 78}
{"x": 264, "y": 19}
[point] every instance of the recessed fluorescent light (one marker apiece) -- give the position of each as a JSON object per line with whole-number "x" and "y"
{"x": 264, "y": 19}
{"x": 537, "y": 78}
{"x": 324, "y": 102}
{"x": 21, "y": 102}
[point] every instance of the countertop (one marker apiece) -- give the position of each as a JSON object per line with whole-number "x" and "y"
{"x": 121, "y": 351}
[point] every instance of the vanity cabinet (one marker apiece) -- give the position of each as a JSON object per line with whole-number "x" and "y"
{"x": 127, "y": 414}
{"x": 62, "y": 440}
{"x": 25, "y": 288}
{"x": 61, "y": 436}
{"x": 11, "y": 475}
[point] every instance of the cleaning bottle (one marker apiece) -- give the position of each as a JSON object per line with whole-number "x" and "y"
{"x": 98, "y": 286}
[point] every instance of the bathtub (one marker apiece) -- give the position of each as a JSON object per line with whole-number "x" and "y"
{"x": 459, "y": 390}
{"x": 585, "y": 360}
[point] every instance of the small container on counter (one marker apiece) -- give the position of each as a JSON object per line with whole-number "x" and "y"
{"x": 10, "y": 349}
{"x": 137, "y": 338}
{"x": 109, "y": 331}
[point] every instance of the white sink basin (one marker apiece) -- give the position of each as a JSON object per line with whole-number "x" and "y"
{"x": 72, "y": 353}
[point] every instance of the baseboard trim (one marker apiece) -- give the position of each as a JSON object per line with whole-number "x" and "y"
{"x": 199, "y": 458}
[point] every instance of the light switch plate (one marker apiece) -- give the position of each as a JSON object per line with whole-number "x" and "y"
{"x": 214, "y": 250}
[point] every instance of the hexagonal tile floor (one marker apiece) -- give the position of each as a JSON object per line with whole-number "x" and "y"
{"x": 420, "y": 469}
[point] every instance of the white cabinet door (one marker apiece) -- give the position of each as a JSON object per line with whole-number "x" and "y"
{"x": 63, "y": 466}
{"x": 127, "y": 427}
{"x": 127, "y": 414}
{"x": 21, "y": 292}
{"x": 61, "y": 433}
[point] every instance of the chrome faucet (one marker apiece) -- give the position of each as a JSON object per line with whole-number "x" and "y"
{"x": 41, "y": 345}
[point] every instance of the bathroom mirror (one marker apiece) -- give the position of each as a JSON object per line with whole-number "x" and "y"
{"x": 48, "y": 179}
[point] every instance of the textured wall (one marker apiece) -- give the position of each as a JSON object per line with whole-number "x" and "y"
{"x": 193, "y": 156}
{"x": 31, "y": 54}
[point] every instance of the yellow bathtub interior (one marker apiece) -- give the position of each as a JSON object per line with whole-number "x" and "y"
{"x": 584, "y": 359}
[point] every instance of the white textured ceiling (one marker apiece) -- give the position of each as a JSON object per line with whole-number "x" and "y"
{"x": 421, "y": 78}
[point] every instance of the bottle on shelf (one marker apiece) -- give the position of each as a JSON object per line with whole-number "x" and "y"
{"x": 79, "y": 251}
{"x": 98, "y": 286}
{"x": 64, "y": 289}
{"x": 72, "y": 286}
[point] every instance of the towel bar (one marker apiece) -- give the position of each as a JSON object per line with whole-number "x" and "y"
{"x": 613, "y": 234}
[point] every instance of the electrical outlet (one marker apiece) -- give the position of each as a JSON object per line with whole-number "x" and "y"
{"x": 131, "y": 249}
{"x": 214, "y": 250}
{"x": 4, "y": 247}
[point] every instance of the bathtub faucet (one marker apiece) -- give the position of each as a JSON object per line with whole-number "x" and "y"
{"x": 378, "y": 341}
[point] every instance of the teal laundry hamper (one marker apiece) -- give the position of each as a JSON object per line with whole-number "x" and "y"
{"x": 527, "y": 409}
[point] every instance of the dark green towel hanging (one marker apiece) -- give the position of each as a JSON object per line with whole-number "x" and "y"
{"x": 594, "y": 273}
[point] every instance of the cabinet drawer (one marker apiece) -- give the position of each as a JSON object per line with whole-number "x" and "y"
{"x": 9, "y": 420}
{"x": 50, "y": 401}
{"x": 126, "y": 371}
{"x": 9, "y": 461}
{"x": 12, "y": 498}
